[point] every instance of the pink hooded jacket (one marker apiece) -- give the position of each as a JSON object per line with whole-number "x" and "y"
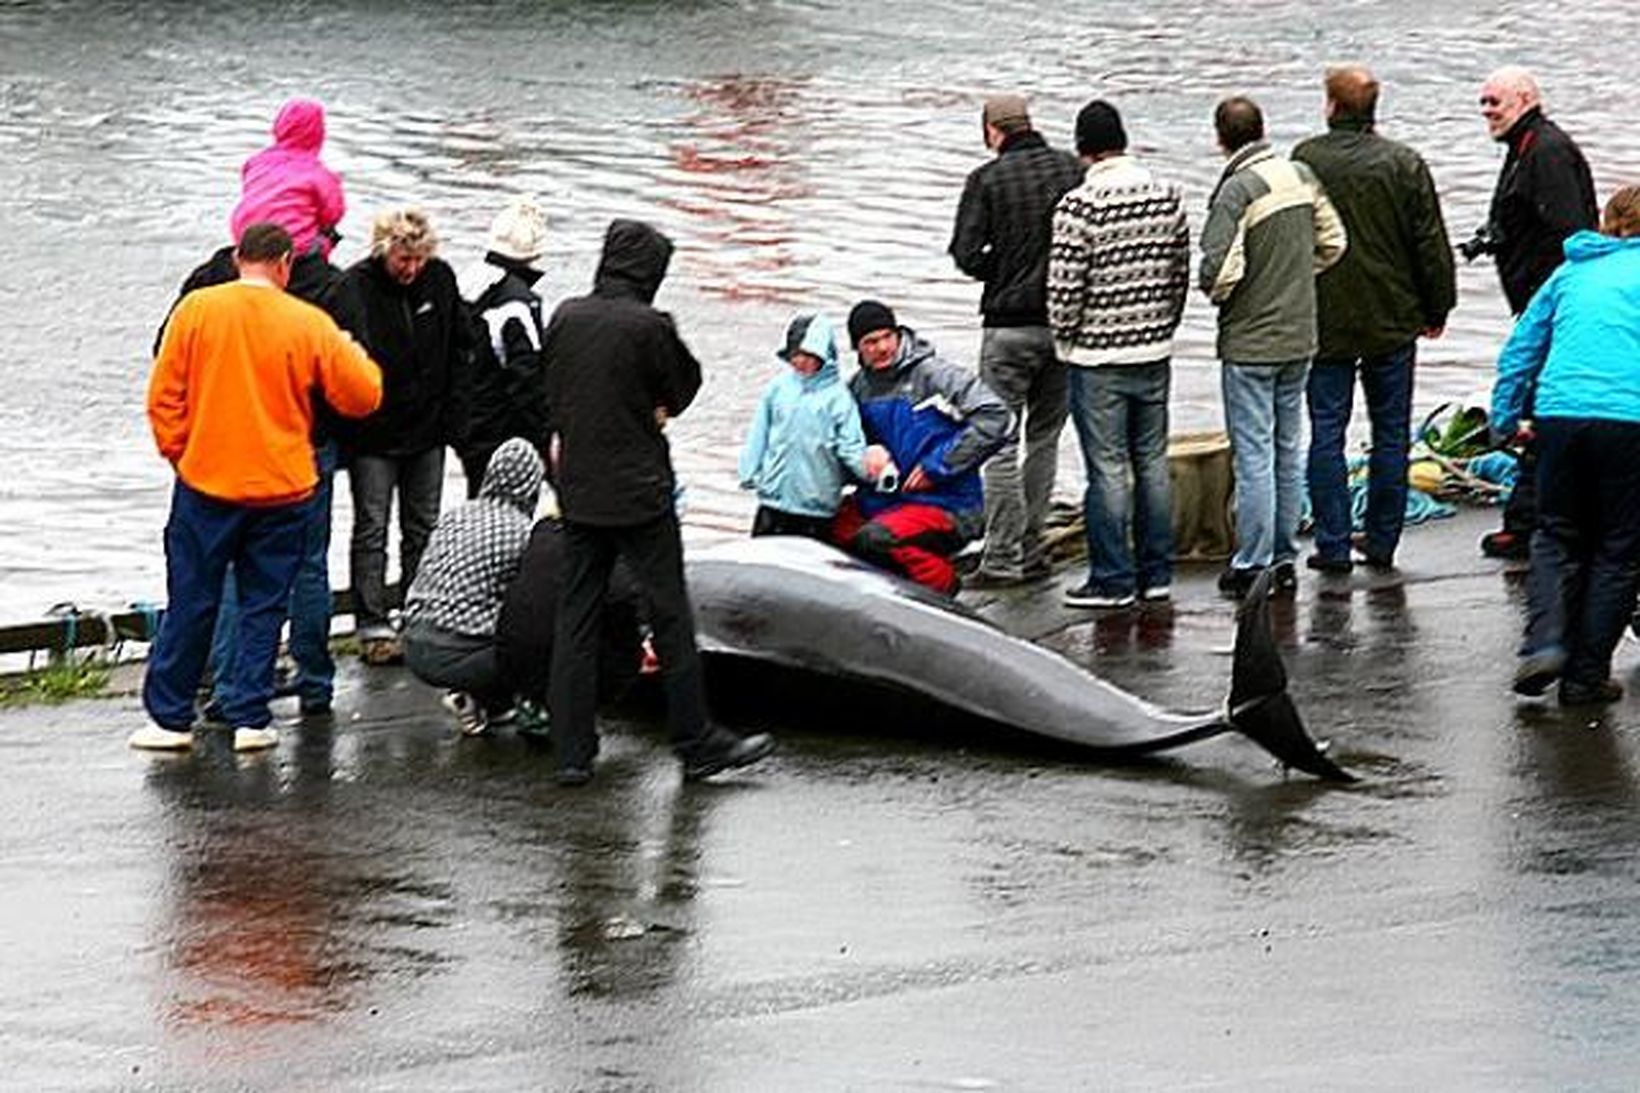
{"x": 287, "y": 184}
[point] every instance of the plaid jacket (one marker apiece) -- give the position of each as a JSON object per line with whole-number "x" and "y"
{"x": 1003, "y": 222}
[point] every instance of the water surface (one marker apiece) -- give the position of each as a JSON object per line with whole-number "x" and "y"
{"x": 801, "y": 154}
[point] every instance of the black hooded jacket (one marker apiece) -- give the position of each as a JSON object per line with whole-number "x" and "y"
{"x": 420, "y": 335}
{"x": 1544, "y": 194}
{"x": 611, "y": 361}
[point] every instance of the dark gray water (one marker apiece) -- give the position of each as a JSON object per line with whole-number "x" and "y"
{"x": 801, "y": 153}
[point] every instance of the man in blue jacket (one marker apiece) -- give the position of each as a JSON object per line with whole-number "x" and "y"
{"x": 938, "y": 423}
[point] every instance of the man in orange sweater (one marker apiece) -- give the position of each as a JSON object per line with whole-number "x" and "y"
{"x": 231, "y": 406}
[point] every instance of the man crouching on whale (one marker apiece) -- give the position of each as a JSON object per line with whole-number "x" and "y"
{"x": 938, "y": 423}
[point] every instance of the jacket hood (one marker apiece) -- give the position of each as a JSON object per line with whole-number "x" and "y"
{"x": 820, "y": 339}
{"x": 634, "y": 260}
{"x": 913, "y": 351}
{"x": 300, "y": 125}
{"x": 514, "y": 476}
{"x": 1585, "y": 245}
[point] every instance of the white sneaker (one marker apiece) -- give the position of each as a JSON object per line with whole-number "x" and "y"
{"x": 468, "y": 713}
{"x": 154, "y": 738}
{"x": 254, "y": 739}
{"x": 1159, "y": 592}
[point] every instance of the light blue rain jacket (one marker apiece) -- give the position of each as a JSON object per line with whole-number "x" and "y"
{"x": 805, "y": 441}
{"x": 1579, "y": 337}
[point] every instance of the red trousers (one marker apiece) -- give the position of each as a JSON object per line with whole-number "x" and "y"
{"x": 911, "y": 539}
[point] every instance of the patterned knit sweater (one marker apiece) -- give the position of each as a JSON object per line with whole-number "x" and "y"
{"x": 1119, "y": 267}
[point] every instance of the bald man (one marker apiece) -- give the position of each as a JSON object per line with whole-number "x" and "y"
{"x": 1544, "y": 194}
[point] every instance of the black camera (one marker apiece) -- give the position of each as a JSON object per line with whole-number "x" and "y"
{"x": 1482, "y": 242}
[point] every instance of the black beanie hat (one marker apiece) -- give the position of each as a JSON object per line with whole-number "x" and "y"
{"x": 1099, "y": 129}
{"x": 869, "y": 316}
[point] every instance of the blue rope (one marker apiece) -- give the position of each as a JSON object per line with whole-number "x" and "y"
{"x": 70, "y": 614}
{"x": 150, "y": 618}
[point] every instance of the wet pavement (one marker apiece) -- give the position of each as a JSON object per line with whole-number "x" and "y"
{"x": 380, "y": 904}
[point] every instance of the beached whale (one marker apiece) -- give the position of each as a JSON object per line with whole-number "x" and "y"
{"x": 803, "y": 605}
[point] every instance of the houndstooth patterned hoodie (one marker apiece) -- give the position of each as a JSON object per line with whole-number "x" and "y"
{"x": 475, "y": 549}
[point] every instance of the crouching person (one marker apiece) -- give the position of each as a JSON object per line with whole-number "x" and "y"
{"x": 936, "y": 423}
{"x": 472, "y": 557}
{"x": 529, "y": 618}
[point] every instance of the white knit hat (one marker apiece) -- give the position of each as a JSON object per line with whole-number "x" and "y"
{"x": 519, "y": 231}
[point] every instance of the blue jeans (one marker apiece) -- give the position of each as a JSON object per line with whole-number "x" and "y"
{"x": 419, "y": 480}
{"x": 1586, "y": 550}
{"x": 1264, "y": 414}
{"x": 309, "y": 610}
{"x": 1387, "y": 382}
{"x": 203, "y": 536}
{"x": 1120, "y": 413}
{"x": 1019, "y": 364}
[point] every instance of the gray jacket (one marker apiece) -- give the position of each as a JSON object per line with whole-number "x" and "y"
{"x": 1270, "y": 229}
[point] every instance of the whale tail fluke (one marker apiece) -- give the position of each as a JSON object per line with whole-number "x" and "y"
{"x": 1259, "y": 706}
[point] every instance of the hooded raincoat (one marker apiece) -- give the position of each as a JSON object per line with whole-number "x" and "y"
{"x": 287, "y": 184}
{"x": 805, "y": 441}
{"x": 1579, "y": 338}
{"x": 611, "y": 362}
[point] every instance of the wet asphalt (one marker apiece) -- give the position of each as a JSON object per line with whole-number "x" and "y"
{"x": 893, "y": 901}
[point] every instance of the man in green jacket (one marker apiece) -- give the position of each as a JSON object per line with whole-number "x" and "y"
{"x": 1270, "y": 229}
{"x": 1394, "y": 285}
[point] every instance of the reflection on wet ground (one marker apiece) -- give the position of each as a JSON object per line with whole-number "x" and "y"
{"x": 801, "y": 154}
{"x": 896, "y": 900}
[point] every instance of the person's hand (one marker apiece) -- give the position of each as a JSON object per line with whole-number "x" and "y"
{"x": 876, "y": 459}
{"x": 916, "y": 481}
{"x": 1518, "y": 437}
{"x": 661, "y": 416}
{"x": 1432, "y": 332}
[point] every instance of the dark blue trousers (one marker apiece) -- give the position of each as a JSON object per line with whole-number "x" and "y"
{"x": 309, "y": 608}
{"x": 203, "y": 536}
{"x": 1586, "y": 550}
{"x": 1387, "y": 383}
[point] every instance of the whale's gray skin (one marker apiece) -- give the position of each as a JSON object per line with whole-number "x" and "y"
{"x": 801, "y": 604}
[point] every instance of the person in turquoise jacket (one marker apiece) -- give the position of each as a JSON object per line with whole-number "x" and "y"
{"x": 805, "y": 441}
{"x": 1579, "y": 341}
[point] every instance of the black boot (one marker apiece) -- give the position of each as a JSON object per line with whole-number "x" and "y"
{"x": 722, "y": 750}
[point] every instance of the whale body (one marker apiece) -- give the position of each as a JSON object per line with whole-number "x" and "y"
{"x": 803, "y": 605}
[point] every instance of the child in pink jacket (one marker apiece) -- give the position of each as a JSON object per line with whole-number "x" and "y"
{"x": 287, "y": 184}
